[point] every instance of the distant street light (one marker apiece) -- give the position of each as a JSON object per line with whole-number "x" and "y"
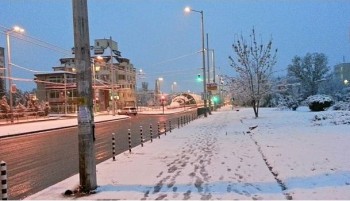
{"x": 95, "y": 69}
{"x": 346, "y": 82}
{"x": 173, "y": 87}
{"x": 188, "y": 10}
{"x": 15, "y": 29}
{"x": 160, "y": 79}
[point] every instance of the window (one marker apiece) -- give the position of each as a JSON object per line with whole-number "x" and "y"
{"x": 54, "y": 94}
{"x": 121, "y": 77}
{"x": 72, "y": 93}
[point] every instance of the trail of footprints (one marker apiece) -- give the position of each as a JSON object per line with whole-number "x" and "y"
{"x": 203, "y": 150}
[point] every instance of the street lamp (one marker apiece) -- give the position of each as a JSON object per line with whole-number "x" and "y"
{"x": 173, "y": 87}
{"x": 160, "y": 79}
{"x": 95, "y": 69}
{"x": 346, "y": 82}
{"x": 188, "y": 10}
{"x": 15, "y": 29}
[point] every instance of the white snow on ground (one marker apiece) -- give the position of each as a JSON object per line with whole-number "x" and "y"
{"x": 286, "y": 156}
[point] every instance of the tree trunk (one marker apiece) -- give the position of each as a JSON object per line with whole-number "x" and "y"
{"x": 255, "y": 105}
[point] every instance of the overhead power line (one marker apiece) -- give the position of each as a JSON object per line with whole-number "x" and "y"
{"x": 36, "y": 41}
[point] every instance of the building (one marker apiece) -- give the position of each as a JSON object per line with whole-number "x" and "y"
{"x": 342, "y": 72}
{"x": 2, "y": 72}
{"x": 114, "y": 81}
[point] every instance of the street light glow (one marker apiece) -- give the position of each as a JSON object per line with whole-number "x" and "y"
{"x": 18, "y": 29}
{"x": 99, "y": 57}
{"x": 187, "y": 9}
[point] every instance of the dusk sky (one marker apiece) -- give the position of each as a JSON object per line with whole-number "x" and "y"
{"x": 159, "y": 38}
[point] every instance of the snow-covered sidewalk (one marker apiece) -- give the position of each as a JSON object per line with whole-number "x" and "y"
{"x": 225, "y": 156}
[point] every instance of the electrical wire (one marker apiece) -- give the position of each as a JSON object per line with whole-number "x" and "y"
{"x": 174, "y": 59}
{"x": 36, "y": 41}
{"x": 27, "y": 69}
{"x": 53, "y": 47}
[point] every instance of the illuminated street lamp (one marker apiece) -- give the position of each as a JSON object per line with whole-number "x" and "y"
{"x": 160, "y": 79}
{"x": 188, "y": 10}
{"x": 15, "y": 29}
{"x": 173, "y": 87}
{"x": 346, "y": 82}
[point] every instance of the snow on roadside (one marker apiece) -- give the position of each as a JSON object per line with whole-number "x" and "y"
{"x": 219, "y": 157}
{"x": 312, "y": 160}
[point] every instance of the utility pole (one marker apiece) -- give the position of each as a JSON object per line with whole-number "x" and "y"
{"x": 209, "y": 92}
{"x": 113, "y": 77}
{"x": 87, "y": 163}
{"x": 203, "y": 62}
{"x": 213, "y": 60}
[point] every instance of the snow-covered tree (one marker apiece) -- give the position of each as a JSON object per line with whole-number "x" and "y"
{"x": 310, "y": 71}
{"x": 253, "y": 62}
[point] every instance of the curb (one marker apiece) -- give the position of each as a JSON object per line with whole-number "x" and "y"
{"x": 50, "y": 129}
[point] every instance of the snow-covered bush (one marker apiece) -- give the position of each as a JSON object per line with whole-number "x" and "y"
{"x": 319, "y": 102}
{"x": 341, "y": 106}
{"x": 333, "y": 117}
{"x": 283, "y": 101}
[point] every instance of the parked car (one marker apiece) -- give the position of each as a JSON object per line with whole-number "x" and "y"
{"x": 128, "y": 111}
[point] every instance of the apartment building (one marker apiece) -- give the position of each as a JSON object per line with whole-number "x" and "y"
{"x": 113, "y": 81}
{"x": 342, "y": 72}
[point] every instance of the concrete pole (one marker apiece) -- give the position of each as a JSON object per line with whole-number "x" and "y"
{"x": 9, "y": 69}
{"x": 203, "y": 62}
{"x": 208, "y": 66}
{"x": 65, "y": 93}
{"x": 87, "y": 163}
{"x": 213, "y": 60}
{"x": 113, "y": 77}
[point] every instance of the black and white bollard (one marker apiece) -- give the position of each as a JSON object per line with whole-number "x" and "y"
{"x": 164, "y": 127}
{"x": 170, "y": 126}
{"x": 129, "y": 138}
{"x": 113, "y": 146}
{"x": 151, "y": 132}
{"x": 3, "y": 177}
{"x": 141, "y": 136}
{"x": 158, "y": 131}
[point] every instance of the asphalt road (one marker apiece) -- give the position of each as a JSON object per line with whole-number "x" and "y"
{"x": 37, "y": 161}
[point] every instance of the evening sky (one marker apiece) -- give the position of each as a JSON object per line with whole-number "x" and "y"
{"x": 159, "y": 38}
